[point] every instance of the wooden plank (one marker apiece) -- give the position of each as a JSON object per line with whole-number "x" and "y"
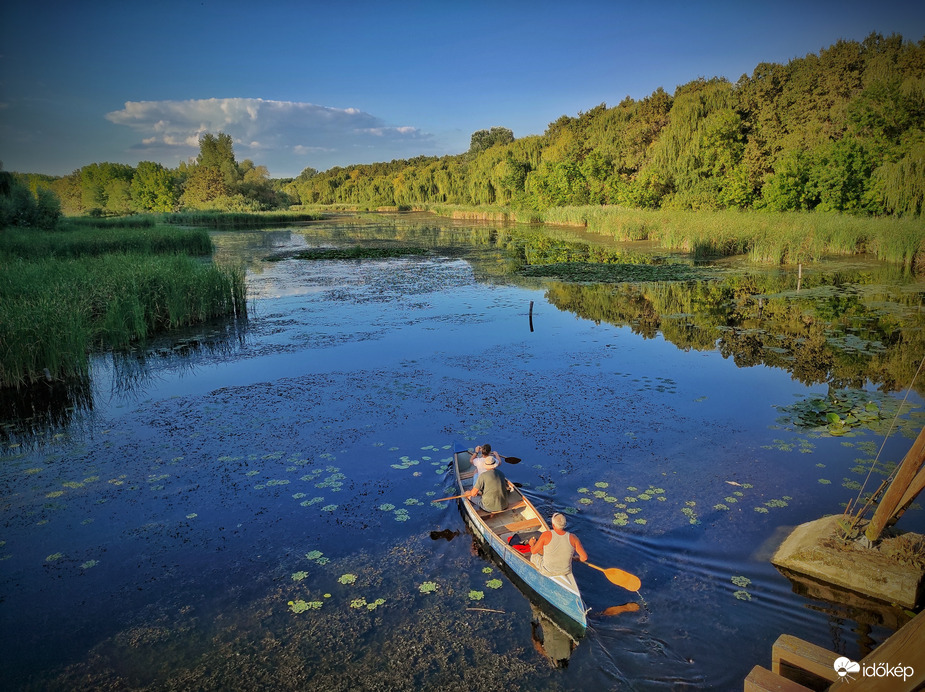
{"x": 903, "y": 647}
{"x": 792, "y": 652}
{"x": 763, "y": 680}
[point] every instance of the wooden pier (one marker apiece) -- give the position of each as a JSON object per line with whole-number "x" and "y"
{"x": 897, "y": 665}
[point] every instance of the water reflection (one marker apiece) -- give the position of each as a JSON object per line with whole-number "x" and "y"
{"x": 550, "y": 641}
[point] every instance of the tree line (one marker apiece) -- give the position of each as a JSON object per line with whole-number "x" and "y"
{"x": 214, "y": 181}
{"x": 841, "y": 131}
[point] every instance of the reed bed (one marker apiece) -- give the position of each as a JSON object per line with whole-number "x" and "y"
{"x": 228, "y": 220}
{"x": 767, "y": 238}
{"x": 53, "y": 312}
{"x": 133, "y": 221}
{"x": 82, "y": 240}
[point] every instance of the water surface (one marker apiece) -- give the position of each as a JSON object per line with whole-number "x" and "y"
{"x": 247, "y": 505}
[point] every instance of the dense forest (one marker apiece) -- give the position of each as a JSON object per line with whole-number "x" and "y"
{"x": 841, "y": 131}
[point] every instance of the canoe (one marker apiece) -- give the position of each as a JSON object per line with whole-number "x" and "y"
{"x": 522, "y": 519}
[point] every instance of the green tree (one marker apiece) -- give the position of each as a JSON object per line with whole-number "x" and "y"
{"x": 154, "y": 188}
{"x": 485, "y": 139}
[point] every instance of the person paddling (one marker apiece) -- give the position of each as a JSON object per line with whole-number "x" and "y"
{"x": 493, "y": 486}
{"x": 553, "y": 551}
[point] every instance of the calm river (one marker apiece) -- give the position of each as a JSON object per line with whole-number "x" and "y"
{"x": 247, "y": 506}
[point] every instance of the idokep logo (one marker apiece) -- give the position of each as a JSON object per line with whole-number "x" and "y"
{"x": 845, "y": 667}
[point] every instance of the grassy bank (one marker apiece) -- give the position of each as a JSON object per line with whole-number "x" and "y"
{"x": 82, "y": 240}
{"x": 54, "y": 309}
{"x": 767, "y": 238}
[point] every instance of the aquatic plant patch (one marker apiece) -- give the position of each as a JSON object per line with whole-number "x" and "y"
{"x": 616, "y": 273}
{"x": 350, "y": 253}
{"x": 842, "y": 412}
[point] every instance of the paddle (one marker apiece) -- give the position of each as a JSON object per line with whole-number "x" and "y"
{"x": 628, "y": 581}
{"x": 510, "y": 460}
{"x": 451, "y": 497}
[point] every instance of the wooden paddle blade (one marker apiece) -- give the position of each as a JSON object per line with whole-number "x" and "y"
{"x": 512, "y": 460}
{"x": 628, "y": 581}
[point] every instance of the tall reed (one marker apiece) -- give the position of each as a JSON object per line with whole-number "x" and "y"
{"x": 84, "y": 241}
{"x": 53, "y": 311}
{"x": 232, "y": 220}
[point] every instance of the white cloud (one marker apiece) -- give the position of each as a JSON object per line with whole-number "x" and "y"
{"x": 278, "y": 133}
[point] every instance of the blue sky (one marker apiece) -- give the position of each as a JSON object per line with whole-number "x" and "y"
{"x": 333, "y": 83}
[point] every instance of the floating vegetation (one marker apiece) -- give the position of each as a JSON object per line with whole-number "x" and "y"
{"x": 358, "y": 603}
{"x": 375, "y": 604}
{"x": 476, "y": 595}
{"x": 640, "y": 521}
{"x": 615, "y": 273}
{"x": 825, "y": 481}
{"x": 386, "y": 507}
{"x": 601, "y": 484}
{"x": 401, "y": 515}
{"x": 761, "y": 510}
{"x": 192, "y": 515}
{"x": 487, "y": 570}
{"x": 349, "y": 253}
{"x": 741, "y": 581}
{"x": 329, "y": 508}
{"x": 776, "y": 503}
{"x": 742, "y": 595}
{"x": 89, "y": 563}
{"x": 299, "y": 576}
{"x": 494, "y": 583}
{"x": 313, "y": 501}
{"x": 688, "y": 511}
{"x": 841, "y": 412}
{"x": 428, "y": 587}
{"x": 721, "y": 507}
{"x": 347, "y": 578}
{"x": 301, "y": 606}
{"x": 54, "y": 557}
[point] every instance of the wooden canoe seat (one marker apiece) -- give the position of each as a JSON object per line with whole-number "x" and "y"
{"x": 516, "y": 526}
{"x": 486, "y": 515}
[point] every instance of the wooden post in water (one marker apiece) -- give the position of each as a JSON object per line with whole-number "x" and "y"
{"x": 901, "y": 492}
{"x": 799, "y": 275}
{"x": 531, "y": 315}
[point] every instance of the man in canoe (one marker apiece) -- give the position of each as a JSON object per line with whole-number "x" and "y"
{"x": 493, "y": 486}
{"x": 554, "y": 550}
